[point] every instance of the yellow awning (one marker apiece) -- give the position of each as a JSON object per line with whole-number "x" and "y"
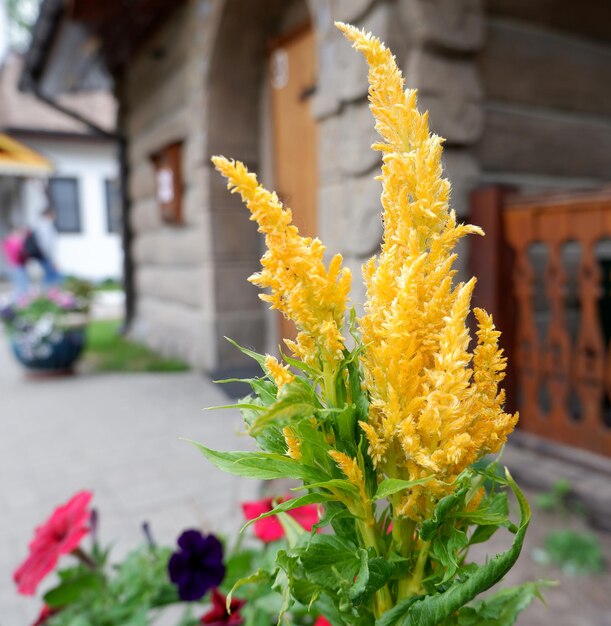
{"x": 16, "y": 159}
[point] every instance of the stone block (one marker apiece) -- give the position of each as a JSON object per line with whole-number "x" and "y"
{"x": 141, "y": 180}
{"x": 450, "y": 24}
{"x": 166, "y": 129}
{"x": 362, "y": 216}
{"x": 357, "y": 134}
{"x": 350, "y": 70}
{"x": 358, "y": 293}
{"x": 329, "y": 165}
{"x": 563, "y": 72}
{"x": 342, "y": 71}
{"x": 193, "y": 205}
{"x": 332, "y": 227}
{"x": 350, "y": 11}
{"x": 462, "y": 170}
{"x": 449, "y": 89}
{"x": 160, "y": 101}
{"x": 172, "y": 246}
{"x": 176, "y": 330}
{"x": 144, "y": 215}
{"x": 189, "y": 286}
{"x": 554, "y": 145}
{"x": 233, "y": 293}
{"x": 235, "y": 236}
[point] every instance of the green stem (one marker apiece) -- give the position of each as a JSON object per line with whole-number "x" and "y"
{"x": 328, "y": 377}
{"x": 412, "y": 586}
{"x": 382, "y": 598}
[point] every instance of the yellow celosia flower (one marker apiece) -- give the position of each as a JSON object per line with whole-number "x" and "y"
{"x": 293, "y": 445}
{"x": 435, "y": 407}
{"x": 279, "y": 373}
{"x": 350, "y": 468}
{"x": 301, "y": 287}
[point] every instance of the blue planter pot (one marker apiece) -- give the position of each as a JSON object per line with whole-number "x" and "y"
{"x": 56, "y": 353}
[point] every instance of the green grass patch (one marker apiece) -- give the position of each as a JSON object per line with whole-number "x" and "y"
{"x": 108, "y": 351}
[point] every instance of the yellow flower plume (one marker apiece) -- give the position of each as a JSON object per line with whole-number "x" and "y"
{"x": 280, "y": 373}
{"x": 435, "y": 407}
{"x": 300, "y": 285}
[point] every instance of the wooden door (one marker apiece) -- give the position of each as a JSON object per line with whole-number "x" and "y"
{"x": 292, "y": 83}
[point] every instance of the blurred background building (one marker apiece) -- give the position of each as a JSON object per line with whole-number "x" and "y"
{"x": 76, "y": 172}
{"x": 521, "y": 90}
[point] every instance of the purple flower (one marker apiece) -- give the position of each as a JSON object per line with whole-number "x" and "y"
{"x": 197, "y": 566}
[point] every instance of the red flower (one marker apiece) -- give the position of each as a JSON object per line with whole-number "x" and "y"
{"x": 269, "y": 528}
{"x": 321, "y": 621}
{"x": 218, "y": 614}
{"x": 45, "y": 614}
{"x": 60, "y": 534}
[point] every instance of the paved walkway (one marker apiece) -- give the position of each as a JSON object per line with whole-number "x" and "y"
{"x": 117, "y": 435}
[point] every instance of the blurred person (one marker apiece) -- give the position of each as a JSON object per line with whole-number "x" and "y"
{"x": 14, "y": 253}
{"x": 45, "y": 235}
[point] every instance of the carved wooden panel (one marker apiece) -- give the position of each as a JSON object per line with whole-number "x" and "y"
{"x": 578, "y": 369}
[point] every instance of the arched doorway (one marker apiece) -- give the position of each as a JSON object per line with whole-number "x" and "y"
{"x": 262, "y": 74}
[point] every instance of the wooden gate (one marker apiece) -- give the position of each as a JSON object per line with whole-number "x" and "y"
{"x": 546, "y": 274}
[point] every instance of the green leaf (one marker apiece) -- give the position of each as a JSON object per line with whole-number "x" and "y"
{"x": 261, "y": 465}
{"x": 300, "y": 365}
{"x": 259, "y": 576}
{"x": 334, "y": 485}
{"x": 501, "y": 609}
{"x": 362, "y": 577}
{"x": 293, "y": 531}
{"x": 72, "y": 589}
{"x": 281, "y": 412}
{"x": 434, "y": 609}
{"x": 296, "y": 399}
{"x": 445, "y": 507}
{"x": 237, "y": 405}
{"x": 330, "y": 561}
{"x": 390, "y": 486}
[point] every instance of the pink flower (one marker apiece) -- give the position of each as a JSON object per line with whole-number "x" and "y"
{"x": 321, "y": 621}
{"x": 269, "y": 528}
{"x": 59, "y": 535}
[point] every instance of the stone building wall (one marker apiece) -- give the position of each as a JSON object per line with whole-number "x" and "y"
{"x": 515, "y": 102}
{"x": 163, "y": 96}
{"x": 199, "y": 79}
{"x": 547, "y": 107}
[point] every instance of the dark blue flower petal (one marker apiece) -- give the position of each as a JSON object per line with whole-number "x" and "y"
{"x": 191, "y": 541}
{"x": 178, "y": 567}
{"x": 197, "y": 566}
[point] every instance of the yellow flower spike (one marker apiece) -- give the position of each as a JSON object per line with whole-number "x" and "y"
{"x": 351, "y": 470}
{"x": 434, "y": 405}
{"x": 293, "y": 445}
{"x": 300, "y": 286}
{"x": 279, "y": 373}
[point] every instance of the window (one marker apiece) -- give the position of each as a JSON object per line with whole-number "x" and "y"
{"x": 112, "y": 192}
{"x": 64, "y": 199}
{"x": 168, "y": 179}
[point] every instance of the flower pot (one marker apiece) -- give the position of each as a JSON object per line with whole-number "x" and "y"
{"x": 52, "y": 352}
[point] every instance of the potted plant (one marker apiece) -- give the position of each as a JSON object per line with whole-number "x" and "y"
{"x": 47, "y": 330}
